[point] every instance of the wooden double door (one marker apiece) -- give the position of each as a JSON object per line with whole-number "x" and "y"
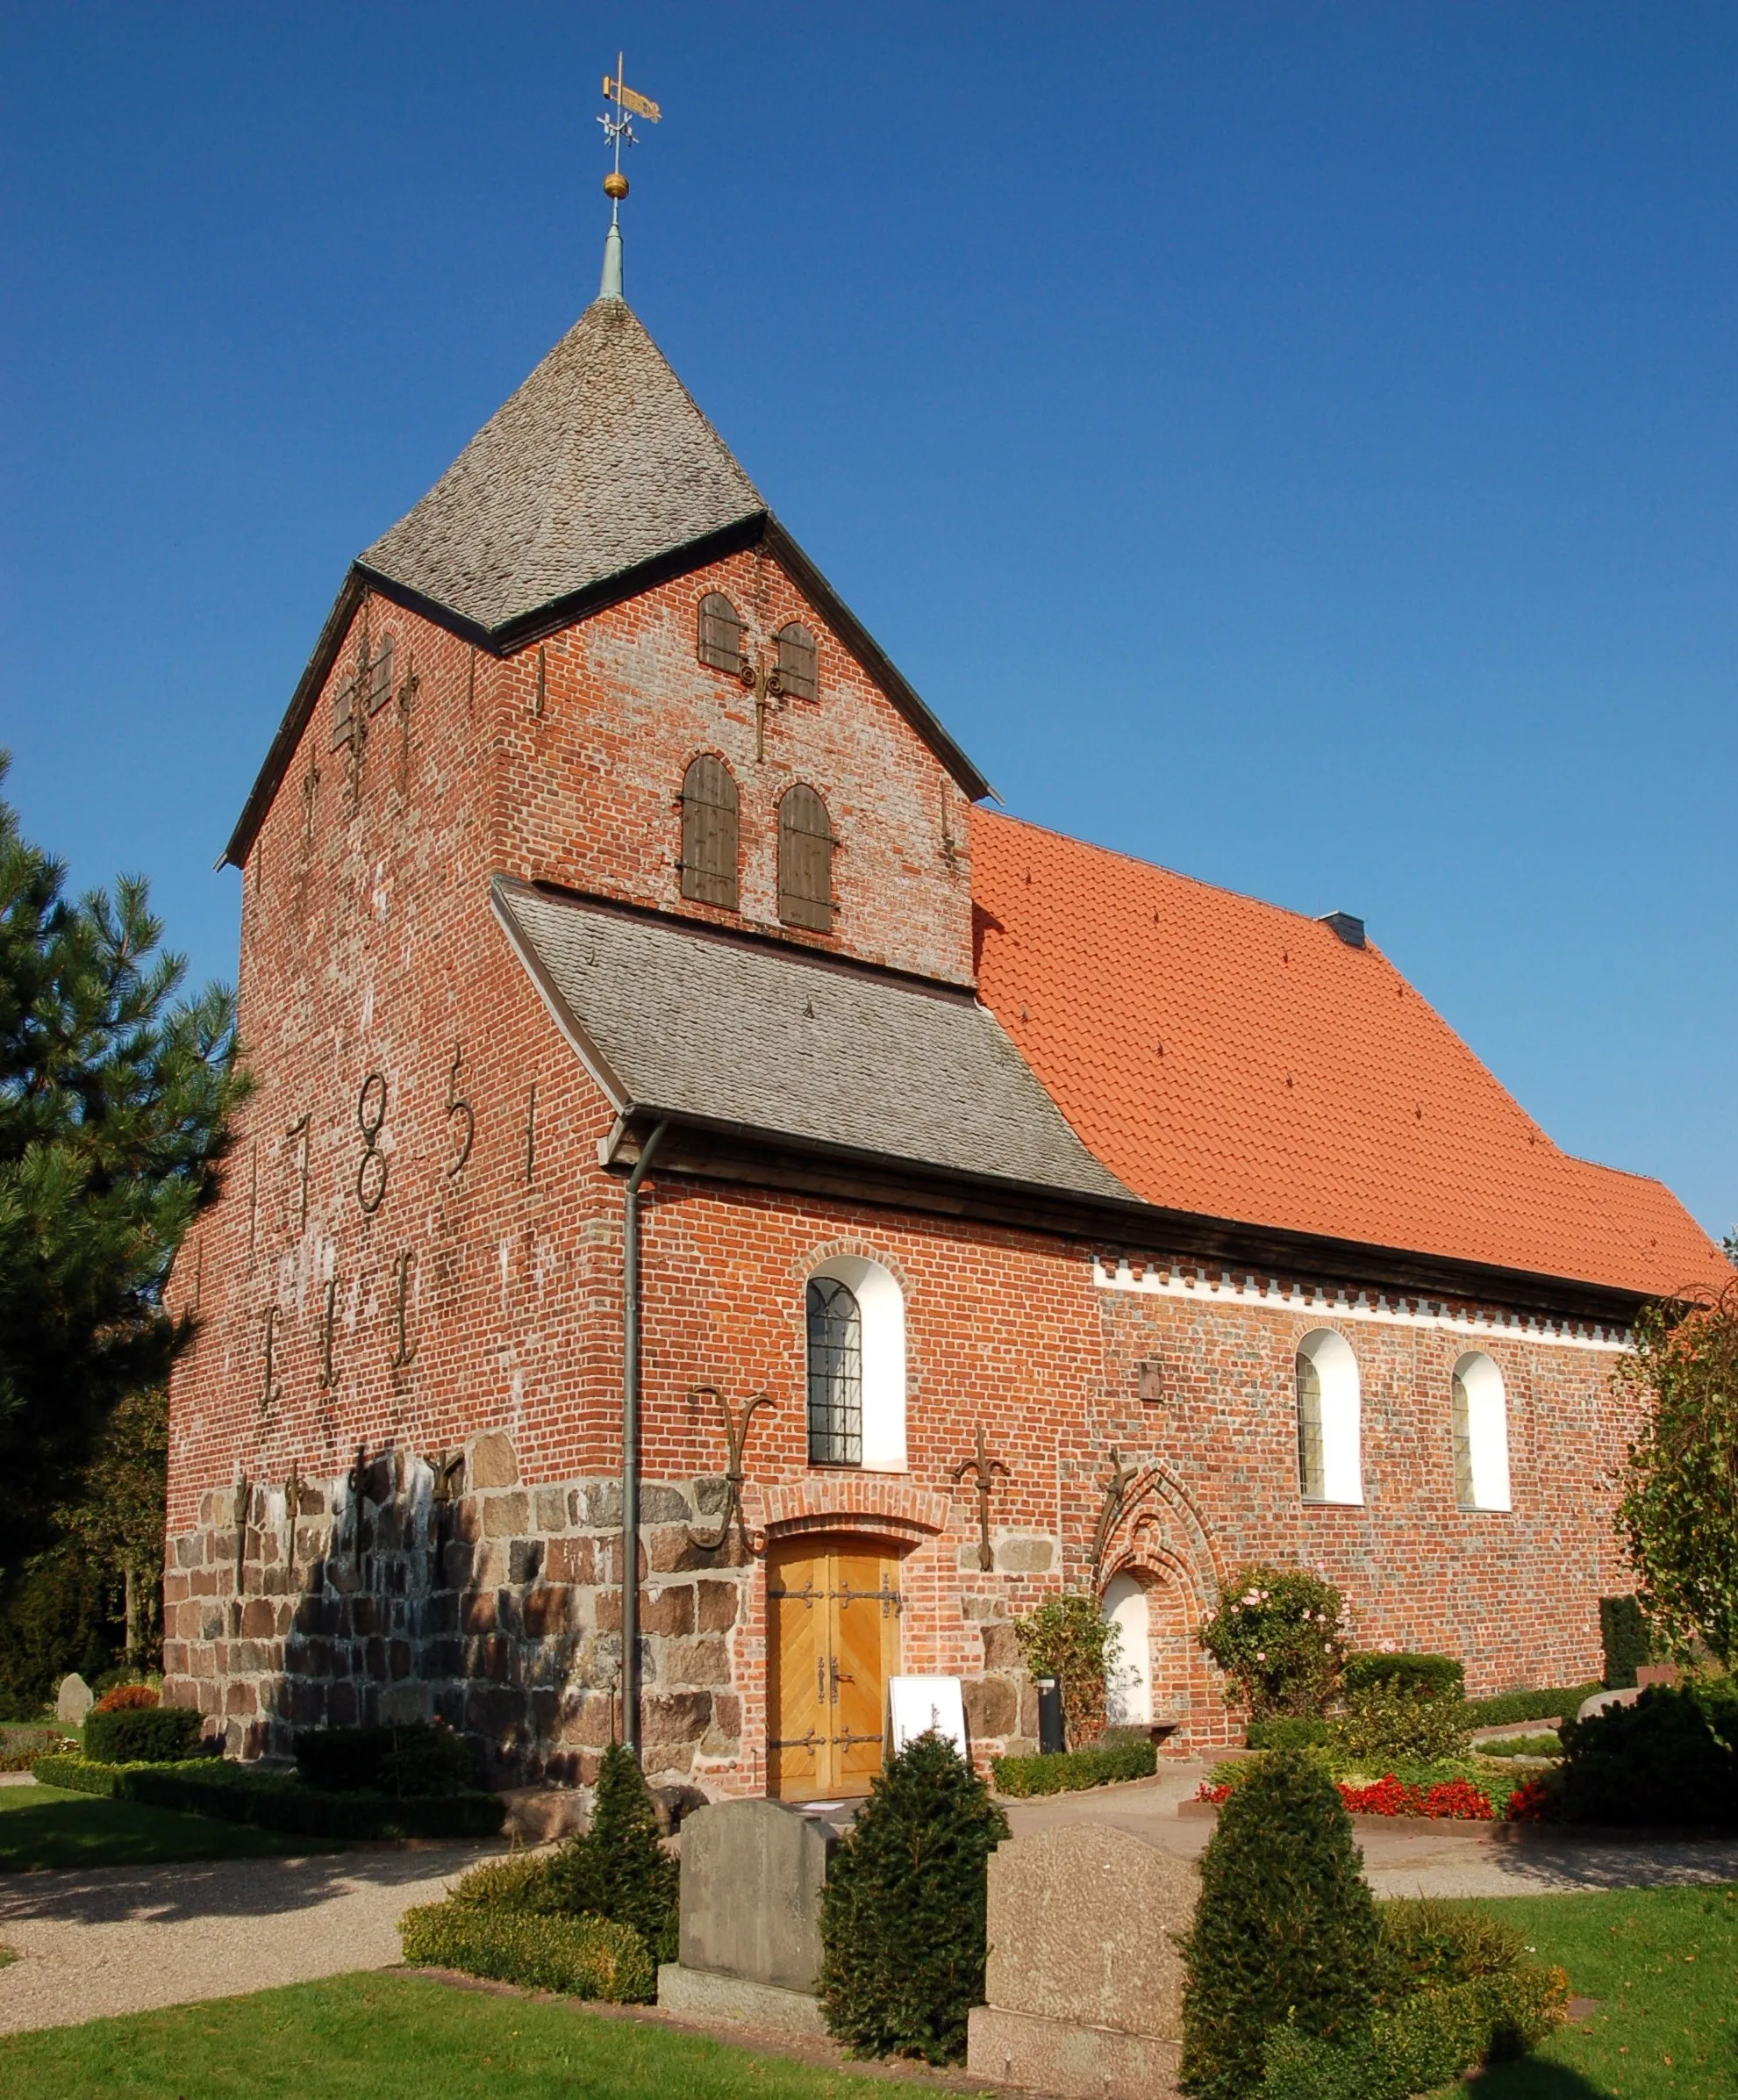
{"x": 833, "y": 1642}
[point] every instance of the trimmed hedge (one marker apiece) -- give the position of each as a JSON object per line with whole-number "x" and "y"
{"x": 1430, "y": 1676}
{"x": 406, "y": 1757}
{"x": 583, "y": 1957}
{"x": 1289, "y": 1732}
{"x": 1555, "y": 1702}
{"x": 141, "y": 1735}
{"x": 275, "y": 1802}
{"x": 1067, "y": 1772}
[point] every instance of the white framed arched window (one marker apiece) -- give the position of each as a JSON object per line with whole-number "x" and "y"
{"x": 1480, "y": 1412}
{"x": 879, "y": 1444}
{"x": 1330, "y": 1420}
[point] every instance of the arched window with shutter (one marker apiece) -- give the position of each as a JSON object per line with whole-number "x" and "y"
{"x": 708, "y": 833}
{"x": 805, "y": 860}
{"x": 719, "y": 639}
{"x": 798, "y": 663}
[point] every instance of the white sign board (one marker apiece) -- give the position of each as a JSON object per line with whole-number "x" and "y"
{"x": 919, "y": 1704}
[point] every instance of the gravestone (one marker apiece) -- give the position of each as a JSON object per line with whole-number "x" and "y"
{"x": 752, "y": 1877}
{"x": 1084, "y": 1980}
{"x": 74, "y": 1700}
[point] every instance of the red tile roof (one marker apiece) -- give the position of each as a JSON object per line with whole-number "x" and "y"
{"x": 1234, "y": 1060}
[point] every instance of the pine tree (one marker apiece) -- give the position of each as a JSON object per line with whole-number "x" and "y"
{"x": 1286, "y": 1928}
{"x": 115, "y": 1098}
{"x": 618, "y": 1868}
{"x": 903, "y": 1916}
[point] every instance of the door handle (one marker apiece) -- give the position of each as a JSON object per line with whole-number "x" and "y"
{"x": 840, "y": 1677}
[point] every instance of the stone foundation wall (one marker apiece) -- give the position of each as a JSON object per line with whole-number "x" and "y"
{"x": 308, "y": 1603}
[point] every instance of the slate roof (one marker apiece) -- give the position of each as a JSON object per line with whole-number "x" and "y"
{"x": 1228, "y": 1058}
{"x": 600, "y": 462}
{"x": 740, "y": 1037}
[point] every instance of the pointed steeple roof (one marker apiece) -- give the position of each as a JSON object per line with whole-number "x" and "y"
{"x": 600, "y": 462}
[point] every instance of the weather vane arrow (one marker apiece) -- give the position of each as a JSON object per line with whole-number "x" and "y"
{"x": 618, "y": 130}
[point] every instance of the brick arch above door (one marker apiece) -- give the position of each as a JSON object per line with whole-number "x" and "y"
{"x": 844, "y": 1501}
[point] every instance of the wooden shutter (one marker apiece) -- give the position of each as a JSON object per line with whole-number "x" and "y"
{"x": 798, "y": 663}
{"x": 708, "y": 833}
{"x": 379, "y": 679}
{"x": 804, "y": 861}
{"x": 720, "y": 634}
{"x": 343, "y": 714}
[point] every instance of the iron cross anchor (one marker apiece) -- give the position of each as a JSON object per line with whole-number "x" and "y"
{"x": 986, "y": 1468}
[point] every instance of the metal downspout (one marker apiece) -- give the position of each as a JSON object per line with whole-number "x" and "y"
{"x": 630, "y": 1444}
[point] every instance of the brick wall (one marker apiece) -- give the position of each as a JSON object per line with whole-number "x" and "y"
{"x": 348, "y": 1356}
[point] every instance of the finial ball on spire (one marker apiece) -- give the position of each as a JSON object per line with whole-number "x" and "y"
{"x": 615, "y": 185}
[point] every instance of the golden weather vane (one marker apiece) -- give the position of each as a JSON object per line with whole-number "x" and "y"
{"x": 618, "y": 130}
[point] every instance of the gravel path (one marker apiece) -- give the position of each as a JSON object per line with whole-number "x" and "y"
{"x": 1412, "y": 1856}
{"x": 125, "y": 1939}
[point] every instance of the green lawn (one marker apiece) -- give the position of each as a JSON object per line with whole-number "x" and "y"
{"x": 47, "y": 1826}
{"x": 388, "y": 2037}
{"x": 1664, "y": 1963}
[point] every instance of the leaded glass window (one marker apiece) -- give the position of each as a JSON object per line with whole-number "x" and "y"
{"x": 1311, "y": 1473}
{"x": 835, "y": 1375}
{"x": 1466, "y": 1494}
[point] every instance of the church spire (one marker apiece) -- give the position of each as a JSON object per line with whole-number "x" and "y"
{"x": 615, "y": 129}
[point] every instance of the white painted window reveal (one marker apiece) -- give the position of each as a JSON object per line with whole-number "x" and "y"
{"x": 882, "y": 1304}
{"x": 1481, "y": 1434}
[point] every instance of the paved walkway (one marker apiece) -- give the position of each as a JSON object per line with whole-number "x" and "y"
{"x": 1414, "y": 1857}
{"x": 127, "y": 1938}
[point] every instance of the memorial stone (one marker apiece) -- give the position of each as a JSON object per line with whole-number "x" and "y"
{"x": 1084, "y": 1978}
{"x": 752, "y": 1877}
{"x": 74, "y": 1700}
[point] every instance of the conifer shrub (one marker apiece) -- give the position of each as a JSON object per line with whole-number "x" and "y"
{"x": 1286, "y": 1929}
{"x": 1671, "y": 1758}
{"x": 618, "y": 1868}
{"x": 903, "y": 1916}
{"x": 1625, "y": 1641}
{"x": 130, "y": 1735}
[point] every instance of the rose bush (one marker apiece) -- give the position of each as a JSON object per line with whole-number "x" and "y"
{"x": 1279, "y": 1634}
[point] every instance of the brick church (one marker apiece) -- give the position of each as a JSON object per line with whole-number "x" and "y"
{"x": 688, "y": 1119}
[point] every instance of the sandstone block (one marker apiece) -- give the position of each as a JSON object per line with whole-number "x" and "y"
{"x": 493, "y": 1462}
{"x": 992, "y": 1706}
{"x": 1026, "y": 1556}
{"x": 505, "y": 1515}
{"x": 716, "y": 1606}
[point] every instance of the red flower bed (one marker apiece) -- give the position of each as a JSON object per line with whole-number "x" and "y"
{"x": 1531, "y": 1804}
{"x": 1458, "y": 1800}
{"x": 1207, "y": 1791}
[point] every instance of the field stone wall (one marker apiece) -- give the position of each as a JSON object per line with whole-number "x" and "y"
{"x": 497, "y": 1611}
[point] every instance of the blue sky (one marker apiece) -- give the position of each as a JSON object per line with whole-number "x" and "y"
{"x": 1295, "y": 443}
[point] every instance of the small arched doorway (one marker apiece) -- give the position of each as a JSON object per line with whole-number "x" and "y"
{"x": 833, "y": 1642}
{"x": 1128, "y": 1700}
